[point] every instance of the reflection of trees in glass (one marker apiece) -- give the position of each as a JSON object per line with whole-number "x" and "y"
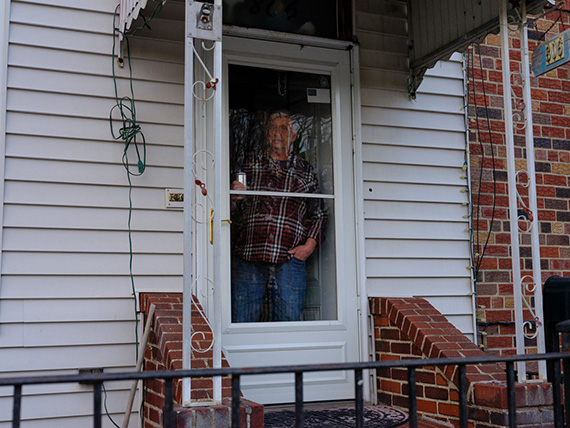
{"x": 247, "y": 137}
{"x": 313, "y": 132}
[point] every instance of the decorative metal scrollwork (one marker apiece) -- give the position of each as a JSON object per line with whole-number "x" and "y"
{"x": 200, "y": 334}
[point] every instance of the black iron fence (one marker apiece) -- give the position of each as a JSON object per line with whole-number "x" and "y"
{"x": 97, "y": 379}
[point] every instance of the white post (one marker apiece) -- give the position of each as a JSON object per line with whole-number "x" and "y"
{"x": 218, "y": 285}
{"x": 535, "y": 245}
{"x": 513, "y": 206}
{"x": 188, "y": 208}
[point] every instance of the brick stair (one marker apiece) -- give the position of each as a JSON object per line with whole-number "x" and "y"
{"x": 164, "y": 352}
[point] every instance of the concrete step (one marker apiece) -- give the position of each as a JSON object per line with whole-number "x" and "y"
{"x": 219, "y": 416}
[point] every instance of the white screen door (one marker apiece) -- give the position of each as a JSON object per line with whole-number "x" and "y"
{"x": 267, "y": 85}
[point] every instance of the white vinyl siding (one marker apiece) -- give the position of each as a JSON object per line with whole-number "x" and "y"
{"x": 66, "y": 300}
{"x": 416, "y": 243}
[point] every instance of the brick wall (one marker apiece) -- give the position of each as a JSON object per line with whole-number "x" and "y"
{"x": 551, "y": 116}
{"x": 412, "y": 328}
{"x": 164, "y": 352}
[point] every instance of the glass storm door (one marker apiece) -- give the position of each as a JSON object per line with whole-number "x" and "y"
{"x": 290, "y": 294}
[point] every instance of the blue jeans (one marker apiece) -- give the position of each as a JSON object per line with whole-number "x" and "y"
{"x": 283, "y": 285}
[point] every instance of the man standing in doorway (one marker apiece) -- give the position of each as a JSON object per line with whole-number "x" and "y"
{"x": 273, "y": 235}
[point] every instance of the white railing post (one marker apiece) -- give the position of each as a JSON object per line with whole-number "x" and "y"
{"x": 529, "y": 329}
{"x": 188, "y": 209}
{"x": 218, "y": 277}
{"x": 195, "y": 253}
{"x": 531, "y": 173}
{"x": 513, "y": 206}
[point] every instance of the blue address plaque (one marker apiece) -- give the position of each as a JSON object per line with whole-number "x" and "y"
{"x": 551, "y": 54}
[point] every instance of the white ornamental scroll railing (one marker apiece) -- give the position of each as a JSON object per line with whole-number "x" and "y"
{"x": 531, "y": 326}
{"x": 203, "y": 22}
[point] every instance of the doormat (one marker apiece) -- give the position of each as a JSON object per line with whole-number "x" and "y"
{"x": 374, "y": 417}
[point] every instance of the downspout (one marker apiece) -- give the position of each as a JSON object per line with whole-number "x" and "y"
{"x": 467, "y": 177}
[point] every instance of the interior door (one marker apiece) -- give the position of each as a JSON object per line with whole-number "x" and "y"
{"x": 313, "y": 86}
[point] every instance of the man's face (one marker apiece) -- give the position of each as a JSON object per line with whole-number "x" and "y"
{"x": 280, "y": 134}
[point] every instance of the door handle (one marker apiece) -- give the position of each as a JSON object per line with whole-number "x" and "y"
{"x": 228, "y": 221}
{"x": 212, "y": 226}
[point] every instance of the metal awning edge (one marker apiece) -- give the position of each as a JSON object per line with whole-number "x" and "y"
{"x": 419, "y": 66}
{"x": 129, "y": 11}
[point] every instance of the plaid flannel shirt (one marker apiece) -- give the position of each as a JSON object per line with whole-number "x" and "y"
{"x": 264, "y": 228}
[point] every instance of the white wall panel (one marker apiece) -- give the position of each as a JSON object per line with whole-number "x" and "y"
{"x": 91, "y": 218}
{"x": 79, "y": 128}
{"x": 66, "y": 357}
{"x": 86, "y": 63}
{"x": 423, "y": 211}
{"x": 50, "y": 37}
{"x": 413, "y": 119}
{"x": 107, "y": 6}
{"x": 396, "y": 229}
{"x": 416, "y": 242}
{"x": 58, "y": 388}
{"x": 432, "y": 157}
{"x": 89, "y": 173}
{"x": 166, "y": 153}
{"x": 76, "y": 334}
{"x": 427, "y": 102}
{"x": 415, "y": 192}
{"x": 69, "y": 287}
{"x": 89, "y": 107}
{"x": 35, "y": 410}
{"x": 432, "y": 138}
{"x": 429, "y": 266}
{"x": 424, "y": 286}
{"x": 66, "y": 300}
{"x": 401, "y": 248}
{"x": 85, "y": 264}
{"x": 378, "y": 78}
{"x": 61, "y": 17}
{"x": 414, "y": 173}
{"x": 91, "y": 241}
{"x": 12, "y": 335}
{"x": 84, "y": 84}
{"x": 79, "y": 195}
{"x": 38, "y": 310}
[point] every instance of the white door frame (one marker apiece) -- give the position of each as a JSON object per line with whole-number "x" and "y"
{"x": 346, "y": 130}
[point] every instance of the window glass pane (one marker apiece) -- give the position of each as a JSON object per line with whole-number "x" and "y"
{"x": 283, "y": 247}
{"x": 255, "y": 93}
{"x": 314, "y": 18}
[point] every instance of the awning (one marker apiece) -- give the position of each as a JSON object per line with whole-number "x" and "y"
{"x": 438, "y": 28}
{"x": 128, "y": 12}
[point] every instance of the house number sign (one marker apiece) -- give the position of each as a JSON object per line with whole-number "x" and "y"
{"x": 551, "y": 54}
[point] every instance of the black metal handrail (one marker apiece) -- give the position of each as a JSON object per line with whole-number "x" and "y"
{"x": 97, "y": 380}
